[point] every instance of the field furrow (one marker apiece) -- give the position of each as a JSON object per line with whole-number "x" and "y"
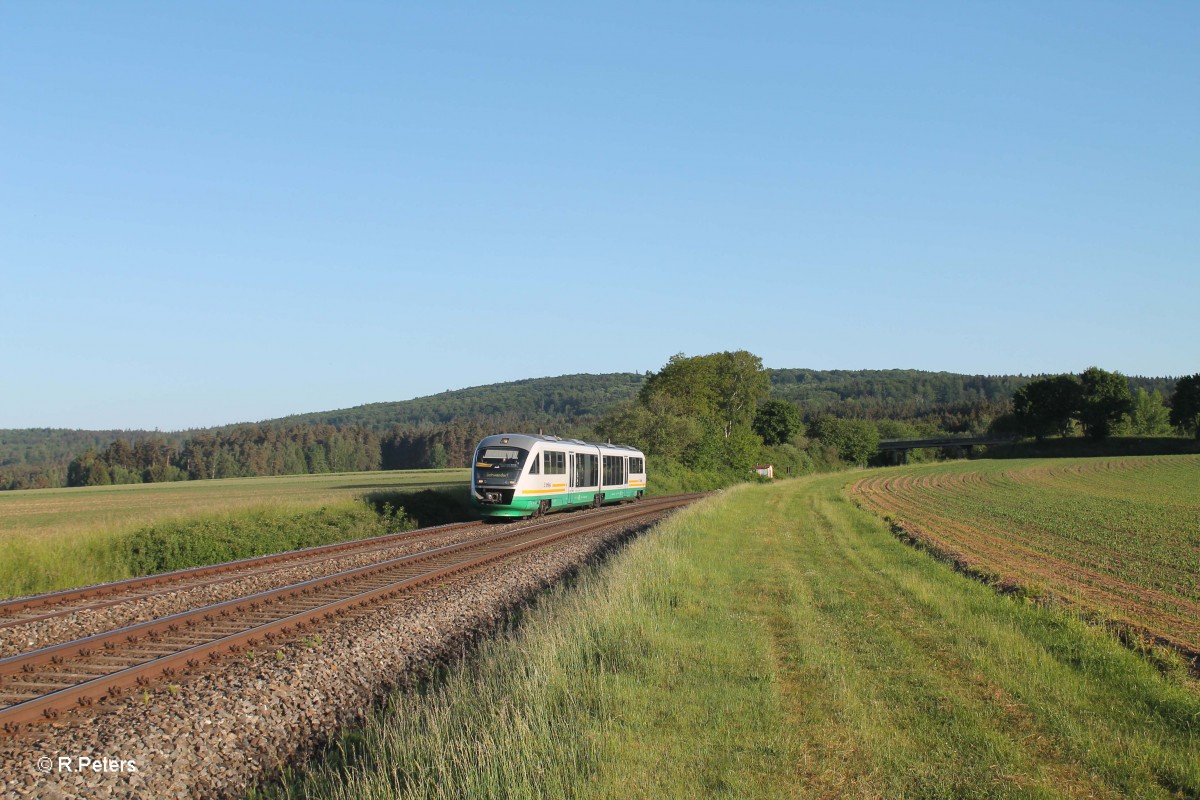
{"x": 1119, "y": 537}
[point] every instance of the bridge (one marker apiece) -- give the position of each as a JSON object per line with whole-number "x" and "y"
{"x": 900, "y": 447}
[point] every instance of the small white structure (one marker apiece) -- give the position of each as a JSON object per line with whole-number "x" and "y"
{"x": 767, "y": 470}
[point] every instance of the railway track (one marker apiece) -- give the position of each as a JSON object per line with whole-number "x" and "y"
{"x": 25, "y": 610}
{"x": 99, "y": 670}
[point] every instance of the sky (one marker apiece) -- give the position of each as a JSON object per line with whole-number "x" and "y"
{"x": 224, "y": 211}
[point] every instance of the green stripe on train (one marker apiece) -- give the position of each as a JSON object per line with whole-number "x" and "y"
{"x": 524, "y": 506}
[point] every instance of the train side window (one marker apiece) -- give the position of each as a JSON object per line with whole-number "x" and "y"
{"x": 614, "y": 470}
{"x": 636, "y": 466}
{"x": 585, "y": 469}
{"x": 555, "y": 462}
{"x": 536, "y": 469}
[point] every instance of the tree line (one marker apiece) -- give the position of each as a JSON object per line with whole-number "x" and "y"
{"x": 243, "y": 451}
{"x": 251, "y": 450}
{"x": 1101, "y": 404}
{"x": 716, "y": 411}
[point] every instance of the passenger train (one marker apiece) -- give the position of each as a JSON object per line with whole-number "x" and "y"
{"x": 527, "y": 475}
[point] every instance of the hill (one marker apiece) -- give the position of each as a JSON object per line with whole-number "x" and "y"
{"x": 566, "y": 404}
{"x": 549, "y": 400}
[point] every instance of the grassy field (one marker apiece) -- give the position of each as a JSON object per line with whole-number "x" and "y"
{"x": 84, "y": 510}
{"x": 1117, "y": 537}
{"x": 780, "y": 641}
{"x": 57, "y": 538}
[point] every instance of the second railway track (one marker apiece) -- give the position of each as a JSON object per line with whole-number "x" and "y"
{"x": 99, "y": 669}
{"x": 36, "y": 608}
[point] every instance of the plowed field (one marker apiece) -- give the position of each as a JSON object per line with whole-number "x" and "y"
{"x": 1119, "y": 537}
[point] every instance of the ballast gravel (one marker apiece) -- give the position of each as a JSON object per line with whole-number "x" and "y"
{"x": 86, "y": 622}
{"x": 217, "y": 732}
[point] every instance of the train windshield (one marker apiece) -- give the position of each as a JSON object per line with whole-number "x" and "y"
{"x": 499, "y": 466}
{"x": 500, "y": 458}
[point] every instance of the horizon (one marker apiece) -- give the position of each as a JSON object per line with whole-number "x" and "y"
{"x": 266, "y": 420}
{"x": 230, "y": 212}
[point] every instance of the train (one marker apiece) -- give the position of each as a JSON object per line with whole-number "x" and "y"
{"x": 528, "y": 475}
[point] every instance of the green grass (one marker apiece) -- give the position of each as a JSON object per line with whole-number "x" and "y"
{"x": 1118, "y": 537}
{"x": 778, "y": 641}
{"x": 59, "y": 538}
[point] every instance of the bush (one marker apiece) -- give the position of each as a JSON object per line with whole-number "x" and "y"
{"x": 856, "y": 440}
{"x": 670, "y": 477}
{"x": 217, "y": 538}
{"x": 426, "y": 507}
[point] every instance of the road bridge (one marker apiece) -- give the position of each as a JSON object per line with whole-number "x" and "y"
{"x": 898, "y": 448}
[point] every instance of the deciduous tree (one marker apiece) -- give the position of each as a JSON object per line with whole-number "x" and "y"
{"x": 777, "y": 421}
{"x": 1105, "y": 400}
{"x": 1048, "y": 405}
{"x": 724, "y": 388}
{"x": 1148, "y": 414}
{"x": 1185, "y": 405}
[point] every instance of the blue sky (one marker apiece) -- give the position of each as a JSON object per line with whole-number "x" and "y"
{"x": 220, "y": 212}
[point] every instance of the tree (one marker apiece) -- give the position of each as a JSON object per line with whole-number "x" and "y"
{"x": 1105, "y": 400}
{"x": 742, "y": 384}
{"x": 687, "y": 382}
{"x": 698, "y": 409}
{"x": 655, "y": 426}
{"x": 856, "y": 440}
{"x": 1185, "y": 405}
{"x": 437, "y": 456}
{"x": 1048, "y": 405}
{"x": 1148, "y": 415}
{"x": 315, "y": 456}
{"x": 79, "y": 471}
{"x": 724, "y": 388}
{"x": 777, "y": 421}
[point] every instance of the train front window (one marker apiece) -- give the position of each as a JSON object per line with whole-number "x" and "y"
{"x": 500, "y": 457}
{"x": 499, "y": 466}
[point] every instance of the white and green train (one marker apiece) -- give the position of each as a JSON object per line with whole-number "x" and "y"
{"x": 527, "y": 475}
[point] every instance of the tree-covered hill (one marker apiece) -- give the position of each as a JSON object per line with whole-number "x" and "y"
{"x": 569, "y": 398}
{"x": 409, "y": 430}
{"x": 904, "y": 392}
{"x": 549, "y": 400}
{"x": 41, "y": 445}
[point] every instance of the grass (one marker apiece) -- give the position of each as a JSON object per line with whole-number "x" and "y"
{"x": 59, "y": 538}
{"x": 71, "y": 512}
{"x": 779, "y": 641}
{"x": 1118, "y": 537}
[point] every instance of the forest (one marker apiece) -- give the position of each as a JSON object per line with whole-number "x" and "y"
{"x": 440, "y": 430}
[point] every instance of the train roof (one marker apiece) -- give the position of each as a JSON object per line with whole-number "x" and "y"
{"x": 529, "y": 439}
